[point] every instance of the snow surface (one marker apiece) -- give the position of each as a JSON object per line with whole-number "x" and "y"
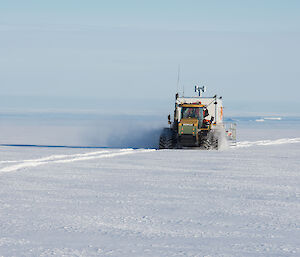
{"x": 244, "y": 201}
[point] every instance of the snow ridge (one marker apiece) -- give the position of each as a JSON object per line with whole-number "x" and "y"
{"x": 68, "y": 159}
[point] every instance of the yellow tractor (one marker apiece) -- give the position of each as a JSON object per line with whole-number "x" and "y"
{"x": 198, "y": 122}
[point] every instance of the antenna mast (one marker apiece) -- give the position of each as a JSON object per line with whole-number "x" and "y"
{"x": 178, "y": 78}
{"x": 200, "y": 90}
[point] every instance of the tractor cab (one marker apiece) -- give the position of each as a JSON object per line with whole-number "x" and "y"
{"x": 193, "y": 114}
{"x": 192, "y": 122}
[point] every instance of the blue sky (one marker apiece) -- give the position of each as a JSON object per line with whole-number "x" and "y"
{"x": 87, "y": 54}
{"x": 168, "y": 14}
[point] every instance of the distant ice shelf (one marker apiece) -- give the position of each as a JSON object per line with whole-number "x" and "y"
{"x": 268, "y": 118}
{"x": 272, "y": 118}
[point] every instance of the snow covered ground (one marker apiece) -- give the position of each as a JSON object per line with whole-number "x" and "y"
{"x": 243, "y": 201}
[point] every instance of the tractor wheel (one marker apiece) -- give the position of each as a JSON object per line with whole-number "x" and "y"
{"x": 215, "y": 142}
{"x": 210, "y": 141}
{"x": 167, "y": 139}
{"x": 205, "y": 144}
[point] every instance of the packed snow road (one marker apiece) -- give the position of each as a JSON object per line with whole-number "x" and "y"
{"x": 78, "y": 202}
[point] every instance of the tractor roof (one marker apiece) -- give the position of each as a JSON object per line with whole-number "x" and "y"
{"x": 191, "y": 105}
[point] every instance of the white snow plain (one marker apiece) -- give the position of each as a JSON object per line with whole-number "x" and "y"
{"x": 243, "y": 201}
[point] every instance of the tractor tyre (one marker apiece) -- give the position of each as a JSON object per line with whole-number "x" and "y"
{"x": 205, "y": 144}
{"x": 167, "y": 139}
{"x": 215, "y": 142}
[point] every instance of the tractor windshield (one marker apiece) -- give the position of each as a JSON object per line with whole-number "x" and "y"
{"x": 192, "y": 112}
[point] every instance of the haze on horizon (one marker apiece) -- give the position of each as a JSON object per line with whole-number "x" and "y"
{"x": 87, "y": 55}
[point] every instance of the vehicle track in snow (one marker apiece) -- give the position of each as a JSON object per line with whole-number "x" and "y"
{"x": 281, "y": 141}
{"x": 56, "y": 157}
{"x": 21, "y": 164}
{"x": 14, "y": 165}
